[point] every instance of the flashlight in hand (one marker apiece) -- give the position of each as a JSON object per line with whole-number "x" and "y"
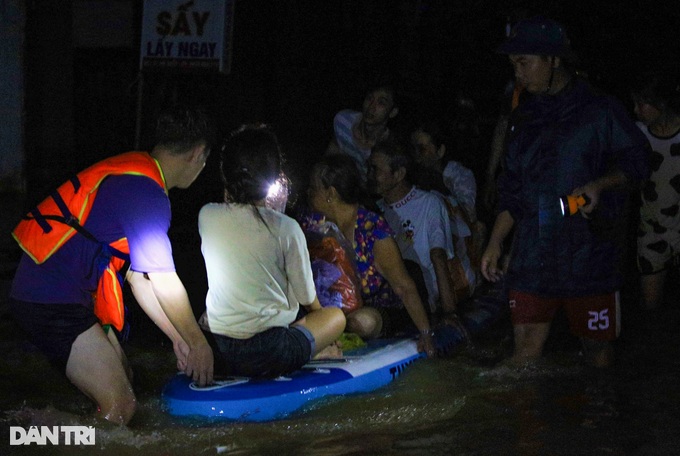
{"x": 569, "y": 204}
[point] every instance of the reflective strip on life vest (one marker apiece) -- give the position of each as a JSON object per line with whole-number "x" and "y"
{"x": 108, "y": 299}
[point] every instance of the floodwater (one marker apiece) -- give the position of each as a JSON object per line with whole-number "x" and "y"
{"x": 466, "y": 403}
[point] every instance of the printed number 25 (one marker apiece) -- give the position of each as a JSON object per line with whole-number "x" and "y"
{"x": 598, "y": 320}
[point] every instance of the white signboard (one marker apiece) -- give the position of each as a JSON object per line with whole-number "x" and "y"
{"x": 187, "y": 34}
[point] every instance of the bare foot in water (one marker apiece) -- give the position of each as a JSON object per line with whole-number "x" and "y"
{"x": 333, "y": 351}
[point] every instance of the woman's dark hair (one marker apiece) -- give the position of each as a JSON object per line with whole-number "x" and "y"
{"x": 660, "y": 89}
{"x": 437, "y": 128}
{"x": 340, "y": 171}
{"x": 251, "y": 163}
{"x": 439, "y": 131}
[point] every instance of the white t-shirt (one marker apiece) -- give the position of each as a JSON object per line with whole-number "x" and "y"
{"x": 420, "y": 223}
{"x": 259, "y": 270}
{"x": 342, "y": 127}
{"x": 460, "y": 181}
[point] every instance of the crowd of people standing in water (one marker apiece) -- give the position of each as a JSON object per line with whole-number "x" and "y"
{"x": 400, "y": 213}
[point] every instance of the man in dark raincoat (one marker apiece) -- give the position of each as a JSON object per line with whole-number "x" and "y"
{"x": 565, "y": 139}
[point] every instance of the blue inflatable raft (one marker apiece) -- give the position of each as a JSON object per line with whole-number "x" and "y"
{"x": 362, "y": 370}
{"x": 244, "y": 399}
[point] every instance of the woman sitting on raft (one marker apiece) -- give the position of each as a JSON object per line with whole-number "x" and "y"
{"x": 390, "y": 297}
{"x": 259, "y": 271}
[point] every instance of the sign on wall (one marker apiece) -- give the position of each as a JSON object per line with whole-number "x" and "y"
{"x": 181, "y": 34}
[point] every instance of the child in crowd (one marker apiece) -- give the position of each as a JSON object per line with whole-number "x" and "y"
{"x": 657, "y": 105}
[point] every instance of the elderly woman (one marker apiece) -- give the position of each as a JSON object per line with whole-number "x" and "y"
{"x": 259, "y": 271}
{"x": 389, "y": 294}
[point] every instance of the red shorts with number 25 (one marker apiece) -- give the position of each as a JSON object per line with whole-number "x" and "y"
{"x": 595, "y": 317}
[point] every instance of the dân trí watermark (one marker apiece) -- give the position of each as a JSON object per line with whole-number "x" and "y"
{"x": 44, "y": 435}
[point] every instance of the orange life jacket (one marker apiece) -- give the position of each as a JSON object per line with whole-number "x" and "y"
{"x": 62, "y": 214}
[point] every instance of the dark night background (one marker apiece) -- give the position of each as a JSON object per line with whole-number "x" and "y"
{"x": 295, "y": 63}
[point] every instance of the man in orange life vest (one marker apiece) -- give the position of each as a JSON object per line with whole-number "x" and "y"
{"x": 67, "y": 291}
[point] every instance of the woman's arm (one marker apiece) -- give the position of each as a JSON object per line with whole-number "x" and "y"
{"x": 389, "y": 263}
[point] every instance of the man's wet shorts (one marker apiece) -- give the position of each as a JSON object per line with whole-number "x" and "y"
{"x": 594, "y": 317}
{"x": 53, "y": 327}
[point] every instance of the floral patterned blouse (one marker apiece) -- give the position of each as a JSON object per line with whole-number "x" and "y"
{"x": 375, "y": 290}
{"x": 370, "y": 227}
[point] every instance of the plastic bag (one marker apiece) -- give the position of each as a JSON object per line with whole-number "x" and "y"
{"x": 326, "y": 243}
{"x": 325, "y": 275}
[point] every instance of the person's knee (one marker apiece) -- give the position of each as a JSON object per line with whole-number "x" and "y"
{"x": 652, "y": 290}
{"x": 529, "y": 340}
{"x": 525, "y": 352}
{"x": 338, "y": 320}
{"x": 108, "y": 386}
{"x": 598, "y": 353}
{"x": 365, "y": 322}
{"x": 119, "y": 408}
{"x": 327, "y": 320}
